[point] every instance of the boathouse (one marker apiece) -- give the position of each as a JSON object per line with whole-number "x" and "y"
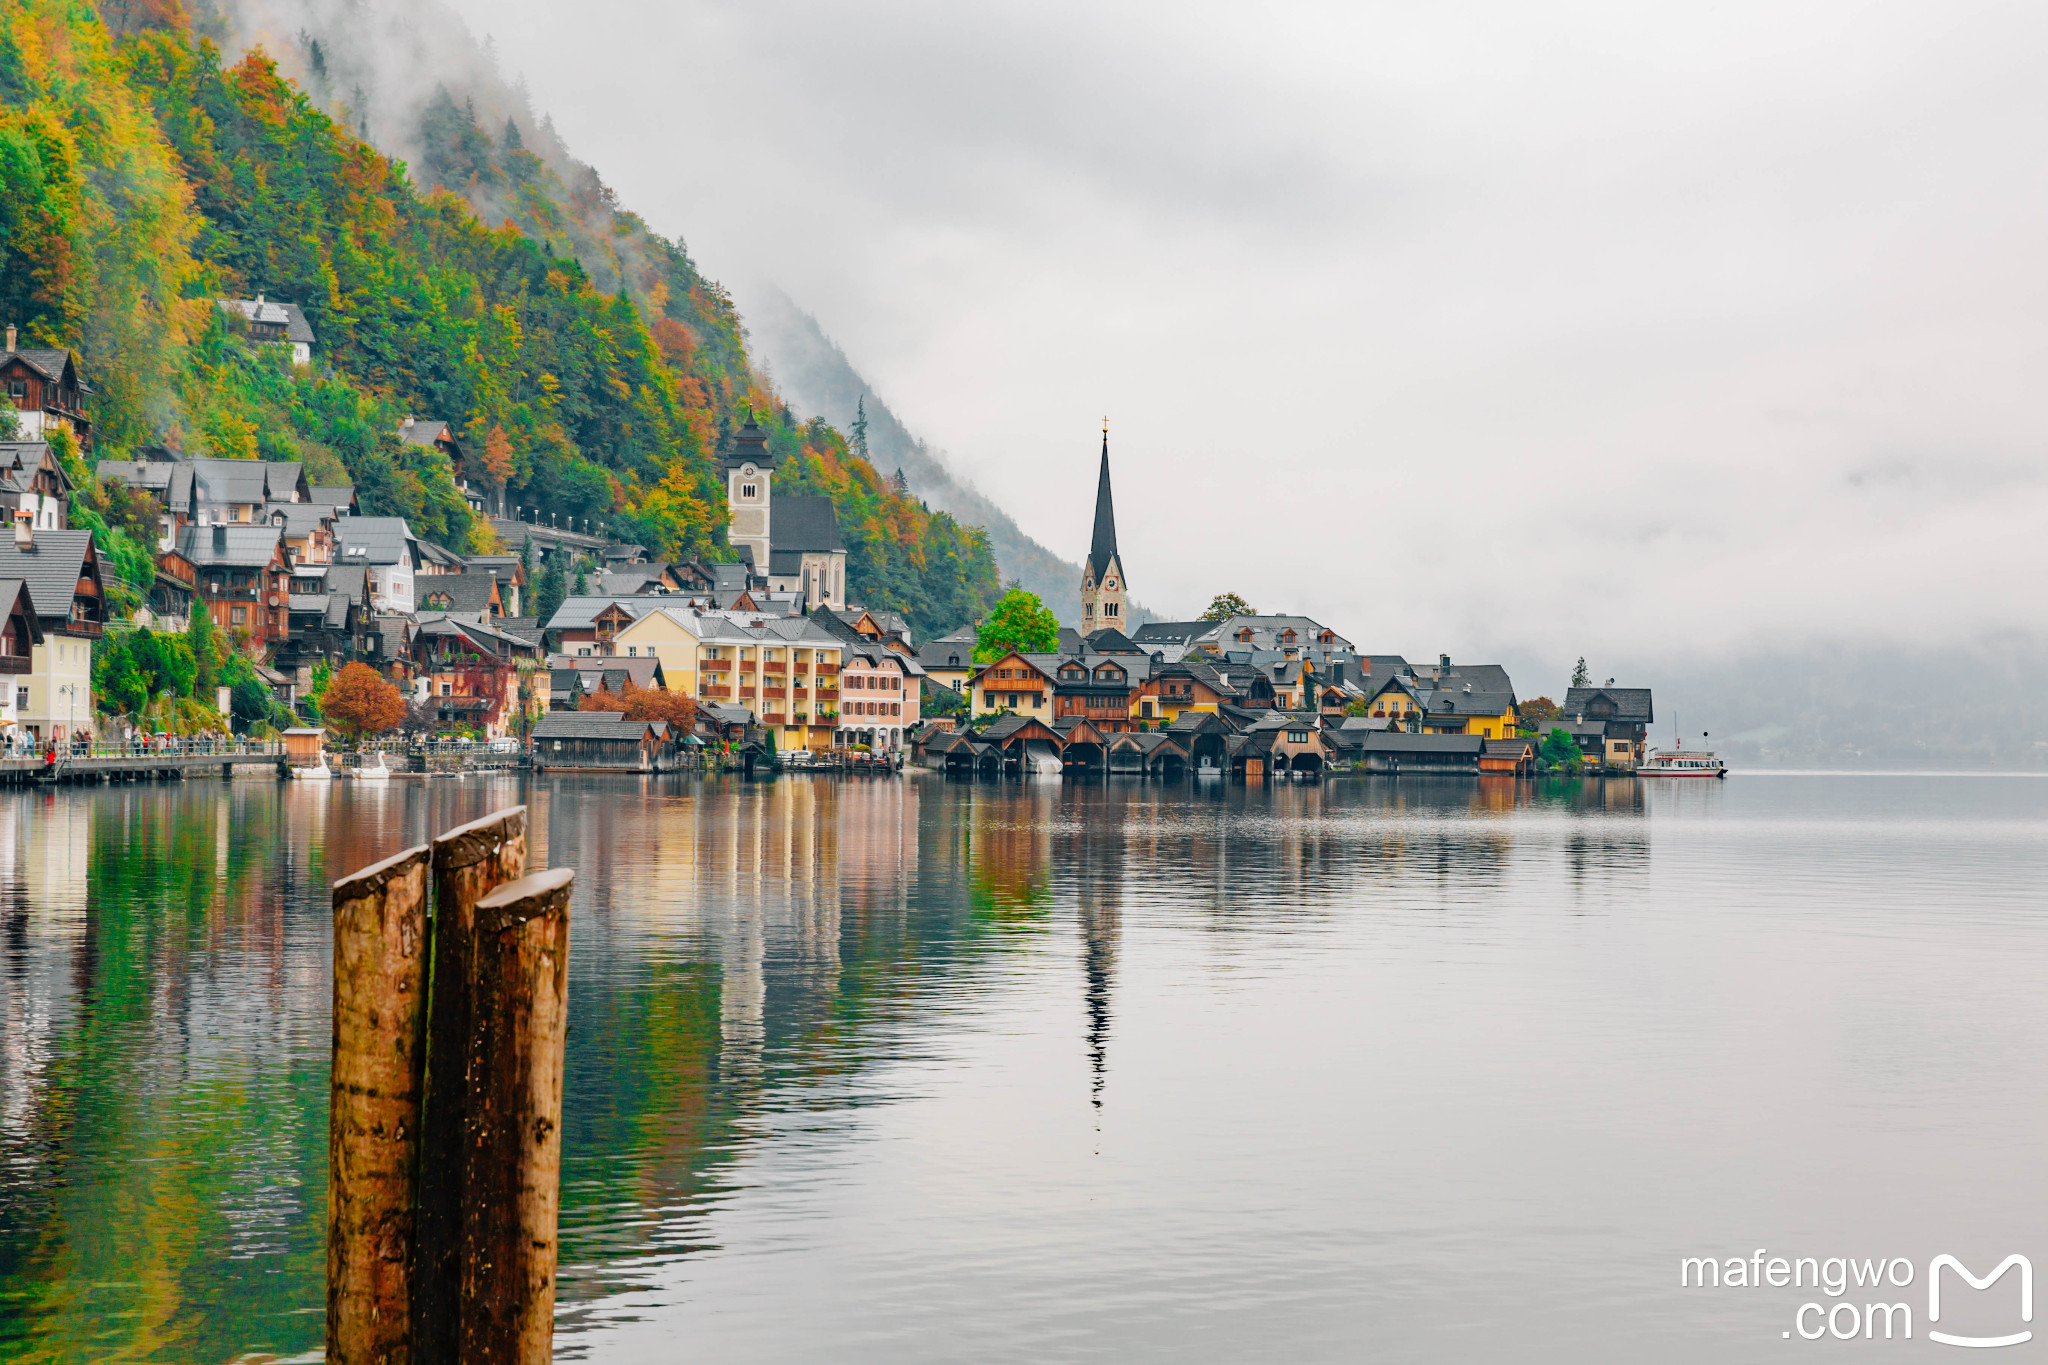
{"x": 1392, "y": 752}
{"x": 601, "y": 740}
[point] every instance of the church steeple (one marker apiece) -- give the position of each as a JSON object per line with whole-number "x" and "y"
{"x": 1102, "y": 577}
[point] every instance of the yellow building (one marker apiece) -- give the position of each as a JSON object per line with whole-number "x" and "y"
{"x": 1416, "y": 705}
{"x": 1014, "y": 683}
{"x": 673, "y": 635}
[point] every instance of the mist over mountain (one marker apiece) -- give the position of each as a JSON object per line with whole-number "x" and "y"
{"x": 816, "y": 376}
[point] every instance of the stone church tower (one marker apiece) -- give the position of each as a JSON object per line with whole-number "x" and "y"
{"x": 749, "y": 474}
{"x": 1103, "y": 591}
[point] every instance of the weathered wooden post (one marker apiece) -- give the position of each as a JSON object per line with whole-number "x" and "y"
{"x": 373, "y": 1128}
{"x": 470, "y": 861}
{"x": 512, "y": 1132}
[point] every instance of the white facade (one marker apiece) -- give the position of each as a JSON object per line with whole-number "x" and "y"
{"x": 749, "y": 491}
{"x": 54, "y": 699}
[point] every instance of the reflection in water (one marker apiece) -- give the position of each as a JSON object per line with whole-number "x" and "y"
{"x": 822, "y": 1057}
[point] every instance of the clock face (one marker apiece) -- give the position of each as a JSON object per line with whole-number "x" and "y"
{"x": 747, "y": 470}
{"x": 1109, "y": 583}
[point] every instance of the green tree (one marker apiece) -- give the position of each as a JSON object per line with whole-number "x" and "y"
{"x": 1560, "y": 752}
{"x": 1226, "y": 605}
{"x": 1581, "y": 677}
{"x": 551, "y": 589}
{"x": 1020, "y": 622}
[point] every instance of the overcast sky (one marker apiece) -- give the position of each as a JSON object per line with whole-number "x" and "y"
{"x": 1489, "y": 324}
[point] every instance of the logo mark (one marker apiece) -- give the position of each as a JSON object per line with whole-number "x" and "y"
{"x": 1934, "y": 1298}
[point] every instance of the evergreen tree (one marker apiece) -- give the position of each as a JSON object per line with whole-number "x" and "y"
{"x": 551, "y": 589}
{"x": 1581, "y": 677}
{"x": 902, "y": 484}
{"x": 859, "y": 442}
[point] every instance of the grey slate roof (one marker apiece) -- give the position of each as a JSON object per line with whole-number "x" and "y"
{"x": 425, "y": 431}
{"x": 339, "y": 496}
{"x": 229, "y": 547}
{"x": 296, "y": 328}
{"x": 631, "y": 580}
{"x": 46, "y": 359}
{"x": 805, "y": 524}
{"x": 1631, "y": 704}
{"x": 590, "y": 725}
{"x": 580, "y": 613}
{"x": 11, "y": 590}
{"x": 51, "y": 569}
{"x": 1398, "y": 742}
{"x": 382, "y": 540}
{"x": 470, "y": 592}
{"x": 299, "y": 519}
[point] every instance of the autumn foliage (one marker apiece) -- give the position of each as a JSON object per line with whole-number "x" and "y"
{"x": 359, "y": 702}
{"x": 645, "y": 703}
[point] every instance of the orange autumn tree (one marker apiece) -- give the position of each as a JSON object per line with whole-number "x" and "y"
{"x": 359, "y": 702}
{"x": 645, "y": 703}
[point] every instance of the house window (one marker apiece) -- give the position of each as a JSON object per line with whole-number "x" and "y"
{"x": 447, "y": 690}
{"x": 1297, "y": 736}
{"x": 632, "y": 651}
{"x": 17, "y": 388}
{"x": 239, "y": 615}
{"x": 1145, "y": 710}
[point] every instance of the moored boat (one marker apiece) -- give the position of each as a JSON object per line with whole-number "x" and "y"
{"x": 1682, "y": 763}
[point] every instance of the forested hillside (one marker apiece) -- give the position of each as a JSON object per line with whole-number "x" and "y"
{"x": 141, "y": 177}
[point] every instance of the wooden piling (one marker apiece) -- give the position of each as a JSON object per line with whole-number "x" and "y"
{"x": 373, "y": 1128}
{"x": 470, "y": 862}
{"x": 512, "y": 1148}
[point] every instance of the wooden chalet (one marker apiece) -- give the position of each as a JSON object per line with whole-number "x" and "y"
{"x": 1016, "y": 682}
{"x": 1294, "y": 746}
{"x": 44, "y": 386}
{"x": 20, "y": 633}
{"x": 1204, "y": 736}
{"x": 1097, "y": 688}
{"x": 1016, "y": 739}
{"x": 1084, "y": 746}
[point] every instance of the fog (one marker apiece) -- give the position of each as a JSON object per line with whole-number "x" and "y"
{"x": 1488, "y": 325}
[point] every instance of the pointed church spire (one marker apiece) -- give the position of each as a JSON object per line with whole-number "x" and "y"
{"x": 1102, "y": 549}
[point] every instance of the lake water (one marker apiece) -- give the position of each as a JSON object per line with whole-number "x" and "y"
{"x": 894, "y": 1070}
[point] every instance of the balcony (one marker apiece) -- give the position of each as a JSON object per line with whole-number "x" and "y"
{"x": 771, "y": 690}
{"x": 777, "y": 668}
{"x": 716, "y": 665}
{"x": 828, "y": 670}
{"x": 746, "y": 665}
{"x": 717, "y": 693}
{"x": 15, "y": 663}
{"x": 803, "y": 668}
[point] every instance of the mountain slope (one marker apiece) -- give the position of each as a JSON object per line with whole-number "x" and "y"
{"x": 142, "y": 176}
{"x": 816, "y": 376}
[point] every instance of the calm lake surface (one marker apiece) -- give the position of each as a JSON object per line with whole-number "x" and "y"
{"x": 895, "y": 1070}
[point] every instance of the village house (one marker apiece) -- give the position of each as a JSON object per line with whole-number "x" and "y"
{"x": 879, "y": 693}
{"x": 434, "y": 434}
{"x": 61, "y": 573}
{"x": 1189, "y": 684}
{"x": 1099, "y": 688}
{"x": 387, "y": 549}
{"x": 21, "y": 632}
{"x": 47, "y": 393}
{"x": 274, "y": 324}
{"x": 34, "y": 486}
{"x": 949, "y": 660}
{"x": 472, "y": 593}
{"x": 241, "y": 577}
{"x": 603, "y": 741}
{"x": 470, "y": 671}
{"x": 1017, "y": 682}
{"x": 1624, "y": 714}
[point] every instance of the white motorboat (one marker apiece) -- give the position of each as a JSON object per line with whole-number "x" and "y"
{"x": 1682, "y": 762}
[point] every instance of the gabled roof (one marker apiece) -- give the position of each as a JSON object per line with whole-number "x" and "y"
{"x": 1110, "y": 640}
{"x": 580, "y": 613}
{"x": 631, "y": 580}
{"x": 1169, "y": 632}
{"x": 14, "y": 592}
{"x": 51, "y": 569}
{"x": 373, "y": 540}
{"x": 300, "y": 520}
{"x": 1009, "y": 724}
{"x": 1190, "y": 723}
{"x": 340, "y": 496}
{"x": 426, "y": 431}
{"x": 230, "y": 547}
{"x": 50, "y": 362}
{"x": 1631, "y": 704}
{"x": 465, "y": 591}
{"x": 296, "y": 328}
